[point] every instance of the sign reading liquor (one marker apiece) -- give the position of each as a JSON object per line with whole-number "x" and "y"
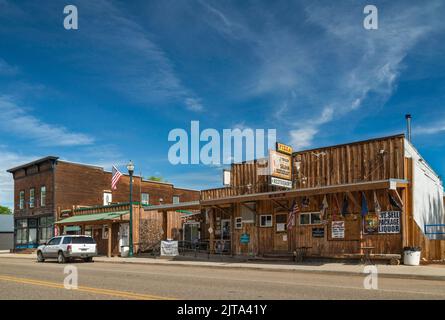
{"x": 280, "y": 165}
{"x": 284, "y": 148}
{"x": 389, "y": 222}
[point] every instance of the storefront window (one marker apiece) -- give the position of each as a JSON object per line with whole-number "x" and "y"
{"x": 46, "y": 229}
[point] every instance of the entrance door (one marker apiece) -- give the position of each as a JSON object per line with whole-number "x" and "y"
{"x": 124, "y": 238}
{"x": 280, "y": 242}
{"x": 191, "y": 232}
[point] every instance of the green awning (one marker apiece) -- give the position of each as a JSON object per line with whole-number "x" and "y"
{"x": 92, "y": 217}
{"x": 71, "y": 228}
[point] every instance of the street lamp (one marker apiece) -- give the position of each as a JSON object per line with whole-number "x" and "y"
{"x": 130, "y": 168}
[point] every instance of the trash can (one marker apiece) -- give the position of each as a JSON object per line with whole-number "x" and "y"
{"x": 124, "y": 251}
{"x": 411, "y": 256}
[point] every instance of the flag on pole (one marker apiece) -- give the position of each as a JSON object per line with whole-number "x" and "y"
{"x": 345, "y": 206}
{"x": 394, "y": 202}
{"x": 377, "y": 207}
{"x": 364, "y": 205}
{"x": 293, "y": 212}
{"x": 324, "y": 207}
{"x": 116, "y": 175}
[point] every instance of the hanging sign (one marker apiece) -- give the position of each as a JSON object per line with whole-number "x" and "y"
{"x": 338, "y": 229}
{"x": 371, "y": 223}
{"x": 389, "y": 222}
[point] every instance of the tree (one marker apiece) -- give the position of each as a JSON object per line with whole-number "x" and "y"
{"x": 5, "y": 210}
{"x": 154, "y": 178}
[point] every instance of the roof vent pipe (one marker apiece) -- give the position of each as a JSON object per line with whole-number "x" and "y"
{"x": 408, "y": 126}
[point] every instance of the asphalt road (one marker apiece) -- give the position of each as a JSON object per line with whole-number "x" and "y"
{"x": 27, "y": 279}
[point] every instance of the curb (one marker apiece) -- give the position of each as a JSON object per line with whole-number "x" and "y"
{"x": 332, "y": 272}
{"x": 267, "y": 269}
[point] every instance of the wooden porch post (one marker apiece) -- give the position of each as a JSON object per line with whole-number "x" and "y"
{"x": 110, "y": 228}
{"x": 212, "y": 234}
{"x": 165, "y": 224}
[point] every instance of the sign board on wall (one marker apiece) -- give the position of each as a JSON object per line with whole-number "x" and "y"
{"x": 245, "y": 238}
{"x": 281, "y": 182}
{"x": 317, "y": 232}
{"x": 280, "y": 165}
{"x": 389, "y": 222}
{"x": 371, "y": 223}
{"x": 338, "y": 230}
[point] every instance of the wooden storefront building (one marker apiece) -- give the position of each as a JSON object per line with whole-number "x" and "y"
{"x": 377, "y": 195}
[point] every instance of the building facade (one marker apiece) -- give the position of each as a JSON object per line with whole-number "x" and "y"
{"x": 6, "y": 232}
{"x": 46, "y": 188}
{"x": 344, "y": 201}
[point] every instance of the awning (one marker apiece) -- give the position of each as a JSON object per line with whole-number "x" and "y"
{"x": 71, "y": 228}
{"x": 92, "y": 217}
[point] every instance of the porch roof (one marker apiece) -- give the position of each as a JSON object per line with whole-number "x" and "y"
{"x": 93, "y": 217}
{"x": 390, "y": 184}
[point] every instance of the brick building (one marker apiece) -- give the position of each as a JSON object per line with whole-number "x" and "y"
{"x": 44, "y": 188}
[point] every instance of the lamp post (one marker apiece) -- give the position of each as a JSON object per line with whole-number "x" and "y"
{"x": 130, "y": 167}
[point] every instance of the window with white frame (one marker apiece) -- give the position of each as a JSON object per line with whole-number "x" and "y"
{"x": 22, "y": 200}
{"x": 145, "y": 199}
{"x": 108, "y": 198}
{"x": 43, "y": 196}
{"x": 266, "y": 220}
{"x": 238, "y": 223}
{"x": 32, "y": 197}
{"x": 310, "y": 218}
{"x": 175, "y": 199}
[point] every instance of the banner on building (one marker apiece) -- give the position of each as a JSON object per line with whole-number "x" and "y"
{"x": 338, "y": 230}
{"x": 169, "y": 248}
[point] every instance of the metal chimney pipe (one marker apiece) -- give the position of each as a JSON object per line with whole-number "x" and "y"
{"x": 408, "y": 126}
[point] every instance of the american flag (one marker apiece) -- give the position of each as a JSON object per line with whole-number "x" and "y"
{"x": 115, "y": 178}
{"x": 293, "y": 212}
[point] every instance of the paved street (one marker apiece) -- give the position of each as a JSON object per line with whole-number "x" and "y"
{"x": 27, "y": 279}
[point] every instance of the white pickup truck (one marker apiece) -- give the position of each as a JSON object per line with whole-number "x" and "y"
{"x": 67, "y": 247}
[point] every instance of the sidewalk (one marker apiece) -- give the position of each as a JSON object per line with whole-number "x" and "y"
{"x": 429, "y": 272}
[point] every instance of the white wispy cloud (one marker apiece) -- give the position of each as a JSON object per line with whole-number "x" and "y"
{"x": 139, "y": 68}
{"x": 331, "y": 65}
{"x": 9, "y": 160}
{"x": 430, "y": 129}
{"x": 19, "y": 121}
{"x": 7, "y": 69}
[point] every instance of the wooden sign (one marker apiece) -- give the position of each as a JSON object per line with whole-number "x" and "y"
{"x": 338, "y": 230}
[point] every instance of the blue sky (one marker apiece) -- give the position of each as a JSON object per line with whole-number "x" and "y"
{"x": 112, "y": 90}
